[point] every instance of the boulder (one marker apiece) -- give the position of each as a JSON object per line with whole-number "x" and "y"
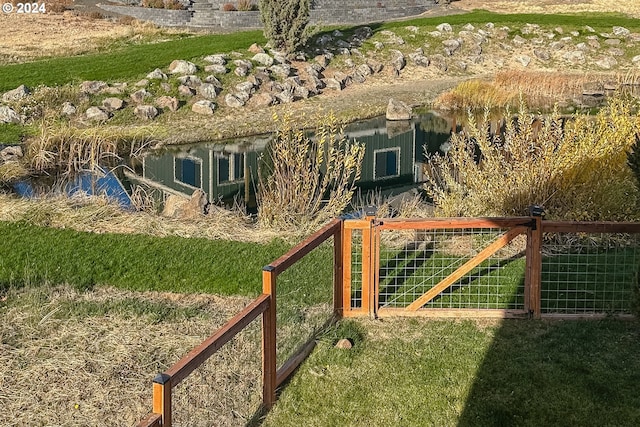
{"x": 168, "y": 102}
{"x": 18, "y": 93}
{"x": 439, "y": 62}
{"x": 68, "y": 109}
{"x": 208, "y": 90}
{"x": 112, "y": 104}
{"x": 263, "y": 59}
{"x": 365, "y": 70}
{"x": 444, "y": 28}
{"x": 620, "y": 32}
{"x": 216, "y": 69}
{"x": 142, "y": 83}
{"x": 146, "y": 112}
{"x": 11, "y": 153}
{"x": 574, "y": 56}
{"x": 96, "y": 114}
{"x": 334, "y": 84}
{"x": 376, "y": 66}
{"x": 451, "y": 46}
{"x": 183, "y": 208}
{"x": 157, "y": 74}
{"x": 542, "y": 54}
{"x": 282, "y": 70}
{"x": 218, "y": 59}
{"x": 92, "y": 87}
{"x": 256, "y": 48}
{"x": 397, "y": 60}
{"x": 606, "y": 63}
{"x": 180, "y": 66}
{"x": 419, "y": 59}
{"x": 186, "y": 91}
{"x": 398, "y": 110}
{"x": 315, "y": 83}
{"x": 525, "y": 60}
{"x": 321, "y": 60}
{"x": 233, "y": 101}
{"x": 214, "y": 81}
{"x": 247, "y": 87}
{"x": 286, "y": 96}
{"x": 203, "y": 107}
{"x": 8, "y": 115}
{"x": 190, "y": 80}
{"x": 263, "y": 99}
{"x": 241, "y": 71}
{"x": 140, "y": 96}
{"x": 344, "y": 344}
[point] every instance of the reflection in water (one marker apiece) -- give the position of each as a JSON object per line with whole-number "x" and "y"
{"x": 393, "y": 161}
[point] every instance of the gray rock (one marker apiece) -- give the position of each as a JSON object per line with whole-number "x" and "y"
{"x": 593, "y": 43}
{"x": 214, "y": 81}
{"x": 349, "y": 63}
{"x": 263, "y": 59}
{"x": 525, "y": 60}
{"x": 8, "y": 115}
{"x": 243, "y": 63}
{"x": 142, "y": 83}
{"x": 451, "y": 45}
{"x": 556, "y": 45}
{"x": 343, "y": 78}
{"x": 321, "y": 60}
{"x": 140, "y": 96}
{"x": 92, "y": 87}
{"x": 165, "y": 87}
{"x": 439, "y": 62}
{"x": 168, "y": 102}
{"x": 621, "y": 31}
{"x": 112, "y": 104}
{"x": 343, "y": 44}
{"x": 559, "y": 30}
{"x": 519, "y": 41}
{"x": 186, "y": 91}
{"x": 146, "y": 112}
{"x": 365, "y": 70}
{"x": 316, "y": 83}
{"x": 334, "y": 84}
{"x": 612, "y": 42}
{"x": 96, "y": 114}
{"x": 233, "y": 101}
{"x": 398, "y": 110}
{"x": 282, "y": 70}
{"x": 636, "y": 59}
{"x": 247, "y": 87}
{"x": 157, "y": 74}
{"x": 574, "y": 33}
{"x": 324, "y": 40}
{"x": 606, "y": 63}
{"x": 286, "y": 96}
{"x": 589, "y": 29}
{"x": 444, "y": 28}
{"x": 358, "y": 78}
{"x": 574, "y": 56}
{"x": 255, "y": 48}
{"x": 263, "y": 99}
{"x": 180, "y": 66}
{"x": 218, "y": 59}
{"x": 68, "y": 109}
{"x": 208, "y": 90}
{"x": 376, "y": 66}
{"x": 190, "y": 80}
{"x": 542, "y": 54}
{"x": 398, "y": 60}
{"x": 583, "y": 47}
{"x": 468, "y": 27}
{"x": 216, "y": 69}
{"x": 435, "y": 34}
{"x": 614, "y": 51}
{"x": 419, "y": 59}
{"x": 475, "y": 50}
{"x": 378, "y": 45}
{"x": 204, "y": 107}
{"x": 18, "y": 93}
{"x": 363, "y": 33}
{"x": 11, "y": 154}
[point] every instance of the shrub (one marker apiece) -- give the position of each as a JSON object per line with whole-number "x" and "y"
{"x": 173, "y": 5}
{"x": 246, "y": 5}
{"x": 285, "y": 23}
{"x": 306, "y": 181}
{"x": 229, "y": 7}
{"x": 576, "y": 169}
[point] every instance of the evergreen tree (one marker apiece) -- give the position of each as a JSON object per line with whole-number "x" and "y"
{"x": 285, "y": 23}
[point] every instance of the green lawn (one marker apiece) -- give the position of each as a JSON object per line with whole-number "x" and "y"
{"x": 415, "y": 372}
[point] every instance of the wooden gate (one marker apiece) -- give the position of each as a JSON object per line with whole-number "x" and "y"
{"x": 480, "y": 267}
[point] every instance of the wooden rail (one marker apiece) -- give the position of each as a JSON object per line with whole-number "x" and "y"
{"x": 265, "y": 304}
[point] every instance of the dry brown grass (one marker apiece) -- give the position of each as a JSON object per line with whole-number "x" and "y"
{"x": 97, "y": 215}
{"x": 61, "y": 368}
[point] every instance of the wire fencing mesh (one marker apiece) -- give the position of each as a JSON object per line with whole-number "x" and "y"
{"x": 595, "y": 273}
{"x": 356, "y": 269}
{"x": 226, "y": 390}
{"x": 412, "y": 263}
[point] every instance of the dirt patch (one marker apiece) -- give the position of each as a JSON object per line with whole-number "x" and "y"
{"x": 629, "y": 7}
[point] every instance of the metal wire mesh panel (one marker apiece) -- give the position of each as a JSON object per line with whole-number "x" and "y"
{"x": 304, "y": 300}
{"x": 413, "y": 262}
{"x": 356, "y": 269}
{"x": 589, "y": 273}
{"x": 226, "y": 390}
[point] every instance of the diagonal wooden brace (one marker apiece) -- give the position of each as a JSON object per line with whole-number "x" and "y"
{"x": 467, "y": 267}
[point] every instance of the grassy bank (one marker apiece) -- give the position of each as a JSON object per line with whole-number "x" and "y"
{"x": 451, "y": 373}
{"x": 32, "y": 255}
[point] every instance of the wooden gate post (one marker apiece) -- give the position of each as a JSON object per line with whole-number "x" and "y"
{"x": 269, "y": 368}
{"x": 533, "y": 275}
{"x": 338, "y": 273}
{"x": 369, "y": 262}
{"x": 162, "y": 398}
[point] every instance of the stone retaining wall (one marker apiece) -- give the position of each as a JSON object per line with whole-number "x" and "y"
{"x": 207, "y": 13}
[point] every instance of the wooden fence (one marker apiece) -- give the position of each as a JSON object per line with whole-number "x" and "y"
{"x": 359, "y": 245}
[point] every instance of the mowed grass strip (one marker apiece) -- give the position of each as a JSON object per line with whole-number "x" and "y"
{"x": 127, "y": 63}
{"x": 416, "y": 372}
{"x": 31, "y": 255}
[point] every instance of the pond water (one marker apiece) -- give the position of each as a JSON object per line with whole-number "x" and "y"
{"x": 393, "y": 161}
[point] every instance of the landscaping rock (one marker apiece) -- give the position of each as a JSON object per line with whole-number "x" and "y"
{"x": 398, "y": 110}
{"x": 183, "y": 208}
{"x": 92, "y": 87}
{"x": 96, "y": 114}
{"x": 365, "y": 70}
{"x": 542, "y": 54}
{"x": 146, "y": 112}
{"x": 263, "y": 59}
{"x": 397, "y": 60}
{"x": 606, "y": 63}
{"x": 444, "y": 28}
{"x": 168, "y": 102}
{"x": 68, "y": 109}
{"x": 216, "y": 69}
{"x": 180, "y": 66}
{"x": 157, "y": 74}
{"x": 525, "y": 60}
{"x": 315, "y": 83}
{"x": 204, "y": 107}
{"x": 233, "y": 101}
{"x": 333, "y": 84}
{"x": 8, "y": 115}
{"x": 186, "y": 91}
{"x": 11, "y": 153}
{"x": 613, "y": 42}
{"x": 247, "y": 87}
{"x": 112, "y": 104}
{"x": 286, "y": 96}
{"x": 142, "y": 83}
{"x": 376, "y": 66}
{"x": 344, "y": 344}
{"x": 218, "y": 59}
{"x": 419, "y": 59}
{"x": 574, "y": 56}
{"x": 18, "y": 93}
{"x": 621, "y": 31}
{"x": 282, "y": 70}
{"x": 439, "y": 62}
{"x": 263, "y": 100}
{"x": 451, "y": 46}
{"x": 140, "y": 96}
{"x": 241, "y": 71}
{"x": 208, "y": 90}
{"x": 190, "y": 80}
{"x": 256, "y": 48}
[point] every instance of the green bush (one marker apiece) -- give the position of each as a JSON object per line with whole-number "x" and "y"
{"x": 285, "y": 23}
{"x": 575, "y": 168}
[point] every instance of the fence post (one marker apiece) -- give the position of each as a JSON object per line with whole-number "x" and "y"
{"x": 338, "y": 273}
{"x": 368, "y": 261}
{"x": 162, "y": 398}
{"x": 269, "y": 368}
{"x": 346, "y": 270}
{"x": 533, "y": 277}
